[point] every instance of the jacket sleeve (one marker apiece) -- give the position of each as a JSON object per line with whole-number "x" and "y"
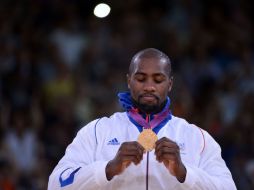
{"x": 212, "y": 172}
{"x": 78, "y": 168}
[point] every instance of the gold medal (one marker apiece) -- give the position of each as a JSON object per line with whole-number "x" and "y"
{"x": 147, "y": 139}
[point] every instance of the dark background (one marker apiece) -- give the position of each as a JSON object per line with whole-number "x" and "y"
{"x": 61, "y": 67}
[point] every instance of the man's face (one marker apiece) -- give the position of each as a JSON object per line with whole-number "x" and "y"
{"x": 149, "y": 83}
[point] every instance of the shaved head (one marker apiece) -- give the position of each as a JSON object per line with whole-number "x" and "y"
{"x": 149, "y": 80}
{"x": 150, "y": 53}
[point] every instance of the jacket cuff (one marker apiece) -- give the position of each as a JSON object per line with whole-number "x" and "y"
{"x": 100, "y": 173}
{"x": 190, "y": 178}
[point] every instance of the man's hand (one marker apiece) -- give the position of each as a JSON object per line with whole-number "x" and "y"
{"x": 128, "y": 152}
{"x": 167, "y": 151}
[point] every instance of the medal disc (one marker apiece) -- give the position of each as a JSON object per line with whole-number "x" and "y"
{"x": 147, "y": 139}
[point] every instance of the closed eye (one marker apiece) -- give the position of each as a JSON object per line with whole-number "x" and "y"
{"x": 159, "y": 79}
{"x": 140, "y": 77}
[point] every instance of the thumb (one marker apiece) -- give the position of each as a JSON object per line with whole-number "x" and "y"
{"x": 170, "y": 165}
{"x": 125, "y": 164}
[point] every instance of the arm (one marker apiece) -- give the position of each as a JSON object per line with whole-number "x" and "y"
{"x": 212, "y": 172}
{"x": 129, "y": 152}
{"x": 77, "y": 169}
{"x": 168, "y": 153}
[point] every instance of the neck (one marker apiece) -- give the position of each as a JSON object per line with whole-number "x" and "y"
{"x": 146, "y": 109}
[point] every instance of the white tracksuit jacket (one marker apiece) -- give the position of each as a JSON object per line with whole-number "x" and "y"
{"x": 83, "y": 165}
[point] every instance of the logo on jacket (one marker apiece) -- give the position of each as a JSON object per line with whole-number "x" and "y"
{"x": 114, "y": 141}
{"x": 181, "y": 147}
{"x": 69, "y": 180}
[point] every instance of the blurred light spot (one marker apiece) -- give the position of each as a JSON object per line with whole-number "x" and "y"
{"x": 101, "y": 10}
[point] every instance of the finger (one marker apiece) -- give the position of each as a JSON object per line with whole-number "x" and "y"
{"x": 163, "y": 139}
{"x": 127, "y": 146}
{"x": 134, "y": 153}
{"x": 167, "y": 153}
{"x": 130, "y": 149}
{"x": 126, "y": 164}
{"x": 167, "y": 147}
{"x": 129, "y": 159}
{"x": 131, "y": 146}
{"x": 166, "y": 144}
{"x": 168, "y": 157}
{"x": 134, "y": 145}
{"x": 140, "y": 147}
{"x": 170, "y": 165}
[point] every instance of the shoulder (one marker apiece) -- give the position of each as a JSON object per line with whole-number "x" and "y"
{"x": 182, "y": 124}
{"x": 104, "y": 122}
{"x": 192, "y": 131}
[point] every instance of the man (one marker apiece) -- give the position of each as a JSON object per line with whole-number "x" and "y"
{"x": 145, "y": 147}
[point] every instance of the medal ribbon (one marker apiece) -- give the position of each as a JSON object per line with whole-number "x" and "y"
{"x": 133, "y": 113}
{"x": 157, "y": 118}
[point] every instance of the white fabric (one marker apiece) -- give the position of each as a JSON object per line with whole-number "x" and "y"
{"x": 91, "y": 151}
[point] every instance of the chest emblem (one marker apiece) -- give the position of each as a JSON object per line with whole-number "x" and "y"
{"x": 113, "y": 141}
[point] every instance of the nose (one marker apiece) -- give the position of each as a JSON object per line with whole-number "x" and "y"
{"x": 149, "y": 86}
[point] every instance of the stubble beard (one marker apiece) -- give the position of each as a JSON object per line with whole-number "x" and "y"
{"x": 149, "y": 109}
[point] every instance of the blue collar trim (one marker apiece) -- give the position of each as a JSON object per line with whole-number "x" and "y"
{"x": 126, "y": 103}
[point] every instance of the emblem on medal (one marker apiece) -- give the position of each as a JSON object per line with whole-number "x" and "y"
{"x": 147, "y": 139}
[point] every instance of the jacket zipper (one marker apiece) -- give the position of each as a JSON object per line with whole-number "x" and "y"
{"x": 147, "y": 158}
{"x": 147, "y": 169}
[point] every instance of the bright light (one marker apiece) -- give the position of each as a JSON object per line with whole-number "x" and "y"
{"x": 101, "y": 10}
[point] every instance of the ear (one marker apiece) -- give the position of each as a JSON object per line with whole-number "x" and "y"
{"x": 170, "y": 84}
{"x": 128, "y": 80}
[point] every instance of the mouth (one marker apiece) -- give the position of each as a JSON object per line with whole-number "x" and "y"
{"x": 148, "y": 98}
